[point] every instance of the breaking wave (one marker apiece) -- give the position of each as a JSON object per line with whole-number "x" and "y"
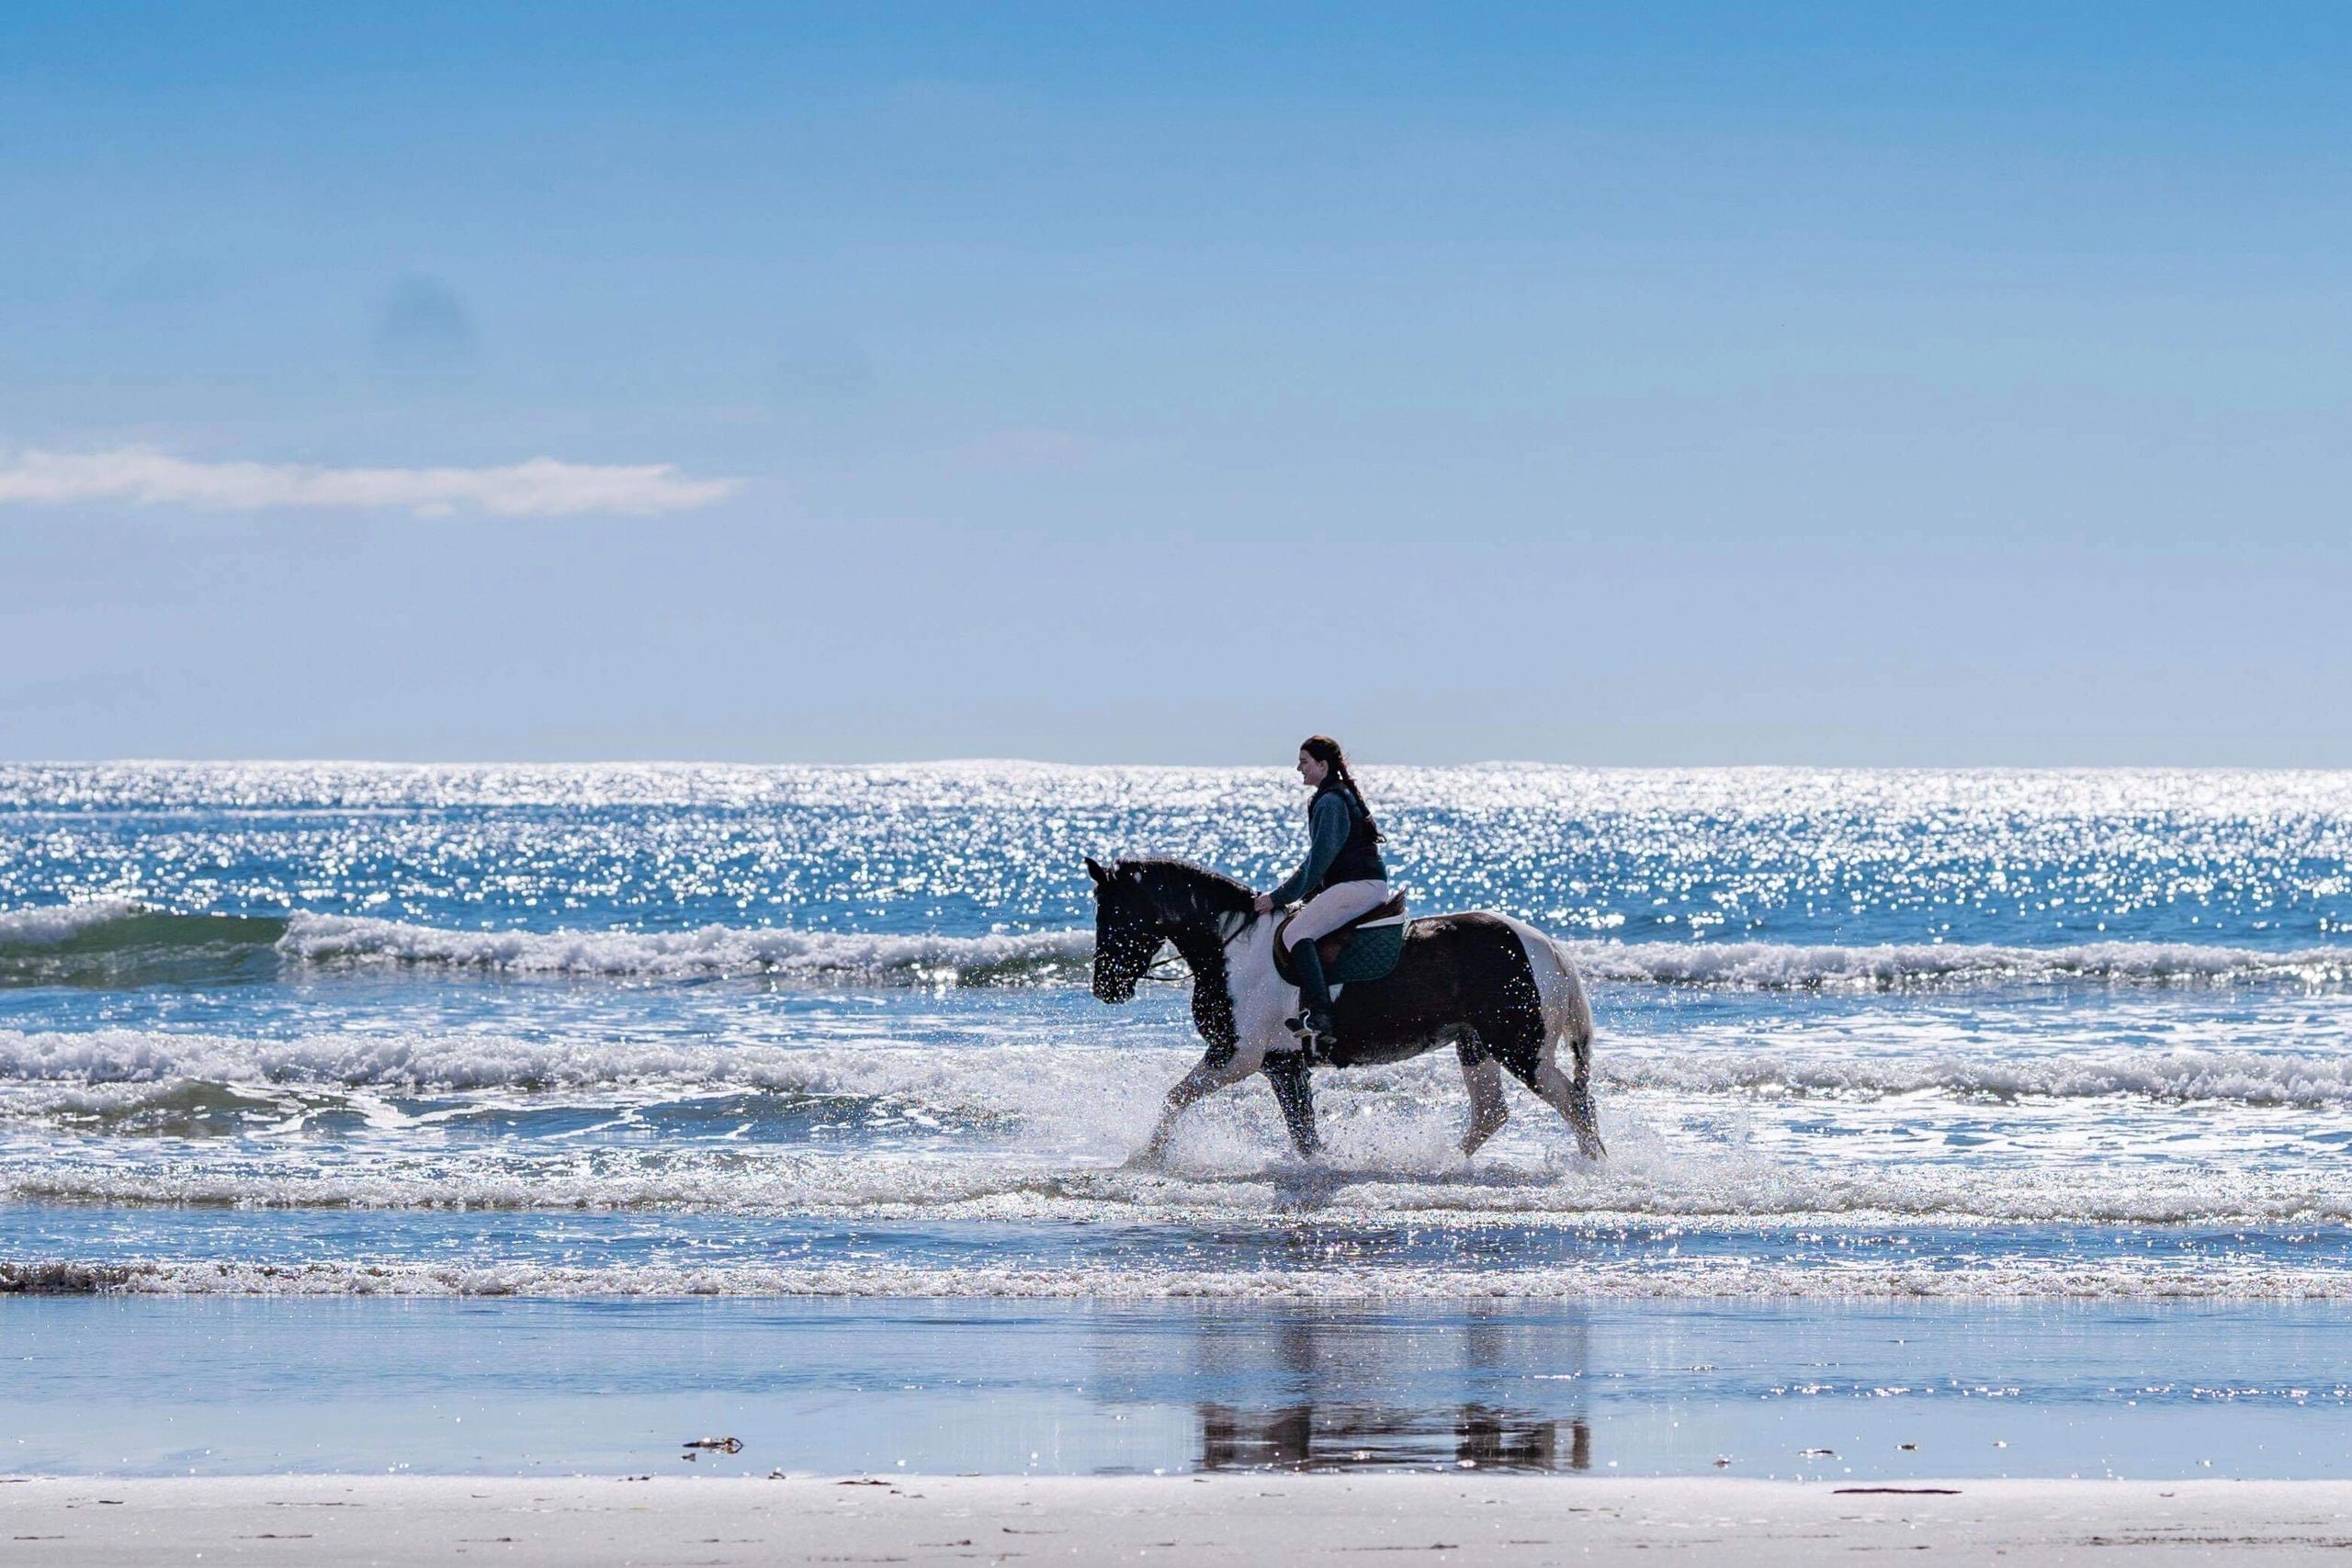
{"x": 474, "y": 1063}
{"x": 1375, "y": 1174}
{"x": 2242, "y": 1078}
{"x": 966, "y": 1078}
{"x": 53, "y": 924}
{"x": 117, "y": 943}
{"x": 708, "y": 951}
{"x": 1753, "y": 966}
{"x": 1647, "y": 1279}
{"x": 1064, "y": 955}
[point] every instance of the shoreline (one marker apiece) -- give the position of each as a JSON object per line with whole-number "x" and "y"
{"x": 1254, "y": 1517}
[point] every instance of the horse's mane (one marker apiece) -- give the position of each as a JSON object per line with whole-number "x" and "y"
{"x": 1214, "y": 888}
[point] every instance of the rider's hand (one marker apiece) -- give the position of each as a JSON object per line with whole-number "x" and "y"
{"x": 1262, "y": 903}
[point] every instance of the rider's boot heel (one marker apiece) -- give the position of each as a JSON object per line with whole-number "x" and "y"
{"x": 1313, "y": 1024}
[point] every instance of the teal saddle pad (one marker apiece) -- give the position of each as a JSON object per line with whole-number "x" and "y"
{"x": 1371, "y": 954}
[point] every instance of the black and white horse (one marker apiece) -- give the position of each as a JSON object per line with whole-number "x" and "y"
{"x": 1497, "y": 991}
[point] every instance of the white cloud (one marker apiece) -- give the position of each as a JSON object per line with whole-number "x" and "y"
{"x": 540, "y": 488}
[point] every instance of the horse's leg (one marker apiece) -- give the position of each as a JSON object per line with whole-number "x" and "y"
{"x": 1219, "y": 1068}
{"x": 1571, "y": 1097}
{"x": 1580, "y": 1112}
{"x": 1484, "y": 1078}
{"x": 1293, "y": 1083}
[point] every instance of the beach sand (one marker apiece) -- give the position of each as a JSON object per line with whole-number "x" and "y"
{"x": 1271, "y": 1518}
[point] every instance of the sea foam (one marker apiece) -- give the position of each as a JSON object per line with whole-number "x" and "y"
{"x": 1645, "y": 1279}
{"x": 1063, "y": 955}
{"x": 1370, "y": 1179}
{"x": 1004, "y": 1076}
{"x": 120, "y": 936}
{"x": 2243, "y": 1078}
{"x": 706, "y": 950}
{"x": 1771, "y": 966}
{"x": 47, "y": 925}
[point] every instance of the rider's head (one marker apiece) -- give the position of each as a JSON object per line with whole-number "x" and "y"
{"x": 1319, "y": 758}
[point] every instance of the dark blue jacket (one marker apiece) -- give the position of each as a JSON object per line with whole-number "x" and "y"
{"x": 1341, "y": 848}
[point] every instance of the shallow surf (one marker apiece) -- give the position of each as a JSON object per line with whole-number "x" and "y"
{"x": 622, "y": 1033}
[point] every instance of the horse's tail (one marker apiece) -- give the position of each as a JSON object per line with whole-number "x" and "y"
{"x": 1573, "y": 1021}
{"x": 1567, "y": 1021}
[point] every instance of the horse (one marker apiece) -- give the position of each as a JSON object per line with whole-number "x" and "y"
{"x": 1500, "y": 992}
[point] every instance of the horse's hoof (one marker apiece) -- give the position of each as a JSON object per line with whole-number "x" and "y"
{"x": 1152, "y": 1157}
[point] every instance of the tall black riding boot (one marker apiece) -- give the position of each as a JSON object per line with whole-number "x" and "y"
{"x": 1313, "y": 1024}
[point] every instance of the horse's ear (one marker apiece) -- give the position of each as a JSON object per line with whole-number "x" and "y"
{"x": 1096, "y": 872}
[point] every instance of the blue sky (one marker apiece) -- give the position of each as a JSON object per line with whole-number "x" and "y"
{"x": 1641, "y": 384}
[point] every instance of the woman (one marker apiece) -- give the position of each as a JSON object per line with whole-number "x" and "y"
{"x": 1341, "y": 879}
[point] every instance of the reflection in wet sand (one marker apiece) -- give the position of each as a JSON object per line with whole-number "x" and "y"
{"x": 1361, "y": 1437}
{"x": 1289, "y": 1385}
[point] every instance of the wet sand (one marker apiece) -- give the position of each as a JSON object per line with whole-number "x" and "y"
{"x": 588, "y": 1523}
{"x": 1832, "y": 1391}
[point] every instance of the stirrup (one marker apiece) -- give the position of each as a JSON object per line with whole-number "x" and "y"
{"x": 1314, "y": 1030}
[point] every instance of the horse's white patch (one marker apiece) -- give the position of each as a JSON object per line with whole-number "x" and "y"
{"x": 1566, "y": 1015}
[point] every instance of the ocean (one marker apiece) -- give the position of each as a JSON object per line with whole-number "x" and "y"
{"x": 814, "y": 1045}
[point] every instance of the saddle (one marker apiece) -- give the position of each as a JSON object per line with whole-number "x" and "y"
{"x": 1366, "y": 948}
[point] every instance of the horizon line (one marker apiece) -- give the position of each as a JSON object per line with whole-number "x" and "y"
{"x": 389, "y": 762}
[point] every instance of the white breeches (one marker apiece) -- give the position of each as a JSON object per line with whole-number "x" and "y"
{"x": 1334, "y": 907}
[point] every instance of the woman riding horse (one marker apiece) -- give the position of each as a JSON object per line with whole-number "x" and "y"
{"x": 1502, "y": 993}
{"x": 1341, "y": 879}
